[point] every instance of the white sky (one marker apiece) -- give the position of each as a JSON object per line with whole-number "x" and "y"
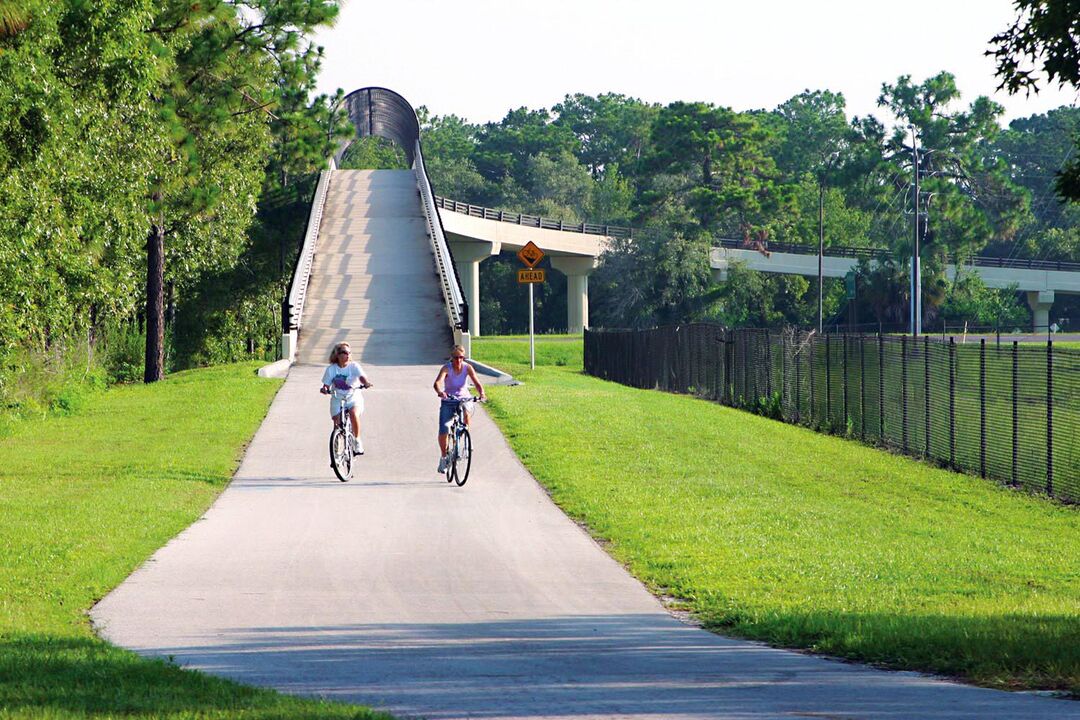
{"x": 480, "y": 58}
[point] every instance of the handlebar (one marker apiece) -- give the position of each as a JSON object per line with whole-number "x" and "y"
{"x": 337, "y": 392}
{"x": 462, "y": 400}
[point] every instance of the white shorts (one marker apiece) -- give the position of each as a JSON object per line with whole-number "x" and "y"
{"x": 356, "y": 400}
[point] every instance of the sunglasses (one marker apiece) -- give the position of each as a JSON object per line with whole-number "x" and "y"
{"x": 457, "y": 357}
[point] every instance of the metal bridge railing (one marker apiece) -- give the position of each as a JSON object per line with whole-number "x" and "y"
{"x": 457, "y": 309}
{"x": 293, "y": 308}
{"x": 535, "y": 221}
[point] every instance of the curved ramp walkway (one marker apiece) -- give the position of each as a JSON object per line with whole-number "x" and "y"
{"x": 402, "y": 592}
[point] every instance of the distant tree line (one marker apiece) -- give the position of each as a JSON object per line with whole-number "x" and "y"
{"x": 695, "y": 172}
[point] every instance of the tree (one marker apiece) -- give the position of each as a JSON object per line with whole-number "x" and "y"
{"x": 1035, "y": 150}
{"x": 815, "y": 135}
{"x": 970, "y": 197}
{"x": 504, "y": 148}
{"x": 214, "y": 105}
{"x": 969, "y": 300}
{"x": 558, "y": 186}
{"x": 450, "y": 144}
{"x": 612, "y": 129}
{"x": 728, "y": 180}
{"x": 373, "y": 153}
{"x": 76, "y": 136}
{"x": 1045, "y": 38}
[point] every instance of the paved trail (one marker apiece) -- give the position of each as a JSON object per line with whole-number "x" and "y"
{"x": 401, "y": 592}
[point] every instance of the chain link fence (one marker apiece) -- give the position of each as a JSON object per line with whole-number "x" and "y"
{"x": 1002, "y": 410}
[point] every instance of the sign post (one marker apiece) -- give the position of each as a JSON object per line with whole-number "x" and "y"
{"x": 530, "y": 256}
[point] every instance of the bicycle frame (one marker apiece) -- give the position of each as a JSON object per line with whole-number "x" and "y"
{"x": 459, "y": 443}
{"x": 342, "y": 441}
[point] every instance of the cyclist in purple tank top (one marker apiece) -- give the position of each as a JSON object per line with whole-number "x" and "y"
{"x": 450, "y": 384}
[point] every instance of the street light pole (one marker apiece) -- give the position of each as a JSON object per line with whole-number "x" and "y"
{"x": 916, "y": 269}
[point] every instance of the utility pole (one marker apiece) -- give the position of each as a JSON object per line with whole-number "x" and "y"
{"x": 916, "y": 269}
{"x": 820, "y": 252}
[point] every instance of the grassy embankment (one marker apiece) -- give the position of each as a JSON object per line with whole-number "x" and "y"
{"x": 775, "y": 532}
{"x": 85, "y": 498}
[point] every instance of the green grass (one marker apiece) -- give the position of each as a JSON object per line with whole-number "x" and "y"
{"x": 85, "y": 498}
{"x": 775, "y": 532}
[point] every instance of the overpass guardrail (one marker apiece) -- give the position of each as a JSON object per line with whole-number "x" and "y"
{"x": 620, "y": 231}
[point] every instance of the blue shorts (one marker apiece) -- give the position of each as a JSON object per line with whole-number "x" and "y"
{"x": 446, "y": 414}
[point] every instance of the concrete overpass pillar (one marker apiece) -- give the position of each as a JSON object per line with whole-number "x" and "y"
{"x": 577, "y": 271}
{"x": 1040, "y": 302}
{"x": 467, "y": 258}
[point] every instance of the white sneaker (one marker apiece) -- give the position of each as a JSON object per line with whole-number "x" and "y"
{"x": 358, "y": 447}
{"x": 442, "y": 464}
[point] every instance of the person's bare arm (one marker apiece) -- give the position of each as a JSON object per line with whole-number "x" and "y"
{"x": 438, "y": 382}
{"x": 476, "y": 382}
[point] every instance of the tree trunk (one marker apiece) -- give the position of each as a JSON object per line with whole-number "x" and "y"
{"x": 155, "y": 302}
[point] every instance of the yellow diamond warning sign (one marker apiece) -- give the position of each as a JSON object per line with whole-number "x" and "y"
{"x": 531, "y": 276}
{"x": 530, "y": 254}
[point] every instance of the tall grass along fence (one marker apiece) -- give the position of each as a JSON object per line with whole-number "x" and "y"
{"x": 1003, "y": 410}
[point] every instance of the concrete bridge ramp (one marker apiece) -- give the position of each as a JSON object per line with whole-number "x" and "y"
{"x": 373, "y": 281}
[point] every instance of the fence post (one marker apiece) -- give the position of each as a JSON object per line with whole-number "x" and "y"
{"x": 795, "y": 355}
{"x": 757, "y": 342}
{"x": 862, "y": 387}
{"x": 768, "y": 366}
{"x": 952, "y": 403}
{"x": 982, "y": 407}
{"x": 745, "y": 365}
{"x": 828, "y": 383}
{"x": 926, "y": 390}
{"x": 846, "y": 417}
{"x": 728, "y": 394}
{"x": 783, "y": 378}
{"x": 903, "y": 392}
{"x": 881, "y": 386}
{"x": 1050, "y": 418}
{"x": 810, "y": 368}
{"x": 1015, "y": 411}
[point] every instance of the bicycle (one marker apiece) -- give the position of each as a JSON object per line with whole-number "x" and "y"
{"x": 342, "y": 441}
{"x": 458, "y": 443}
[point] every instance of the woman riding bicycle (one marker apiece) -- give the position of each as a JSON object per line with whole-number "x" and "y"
{"x": 450, "y": 385}
{"x": 345, "y": 377}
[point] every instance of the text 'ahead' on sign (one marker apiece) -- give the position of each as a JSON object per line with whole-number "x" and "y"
{"x": 530, "y": 255}
{"x": 531, "y": 276}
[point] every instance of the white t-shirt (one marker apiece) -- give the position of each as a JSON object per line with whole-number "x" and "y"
{"x": 343, "y": 378}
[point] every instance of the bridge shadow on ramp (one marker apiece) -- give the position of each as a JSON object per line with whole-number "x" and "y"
{"x": 586, "y": 666}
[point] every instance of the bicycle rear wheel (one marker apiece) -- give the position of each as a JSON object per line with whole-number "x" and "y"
{"x": 341, "y": 457}
{"x": 462, "y": 461}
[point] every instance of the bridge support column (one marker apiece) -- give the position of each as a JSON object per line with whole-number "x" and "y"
{"x": 1040, "y": 302}
{"x": 467, "y": 257}
{"x": 577, "y": 271}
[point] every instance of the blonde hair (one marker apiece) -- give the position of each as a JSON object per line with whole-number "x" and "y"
{"x": 337, "y": 350}
{"x": 457, "y": 349}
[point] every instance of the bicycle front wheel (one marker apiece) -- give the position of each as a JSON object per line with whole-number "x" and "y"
{"x": 462, "y": 462}
{"x": 341, "y": 457}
